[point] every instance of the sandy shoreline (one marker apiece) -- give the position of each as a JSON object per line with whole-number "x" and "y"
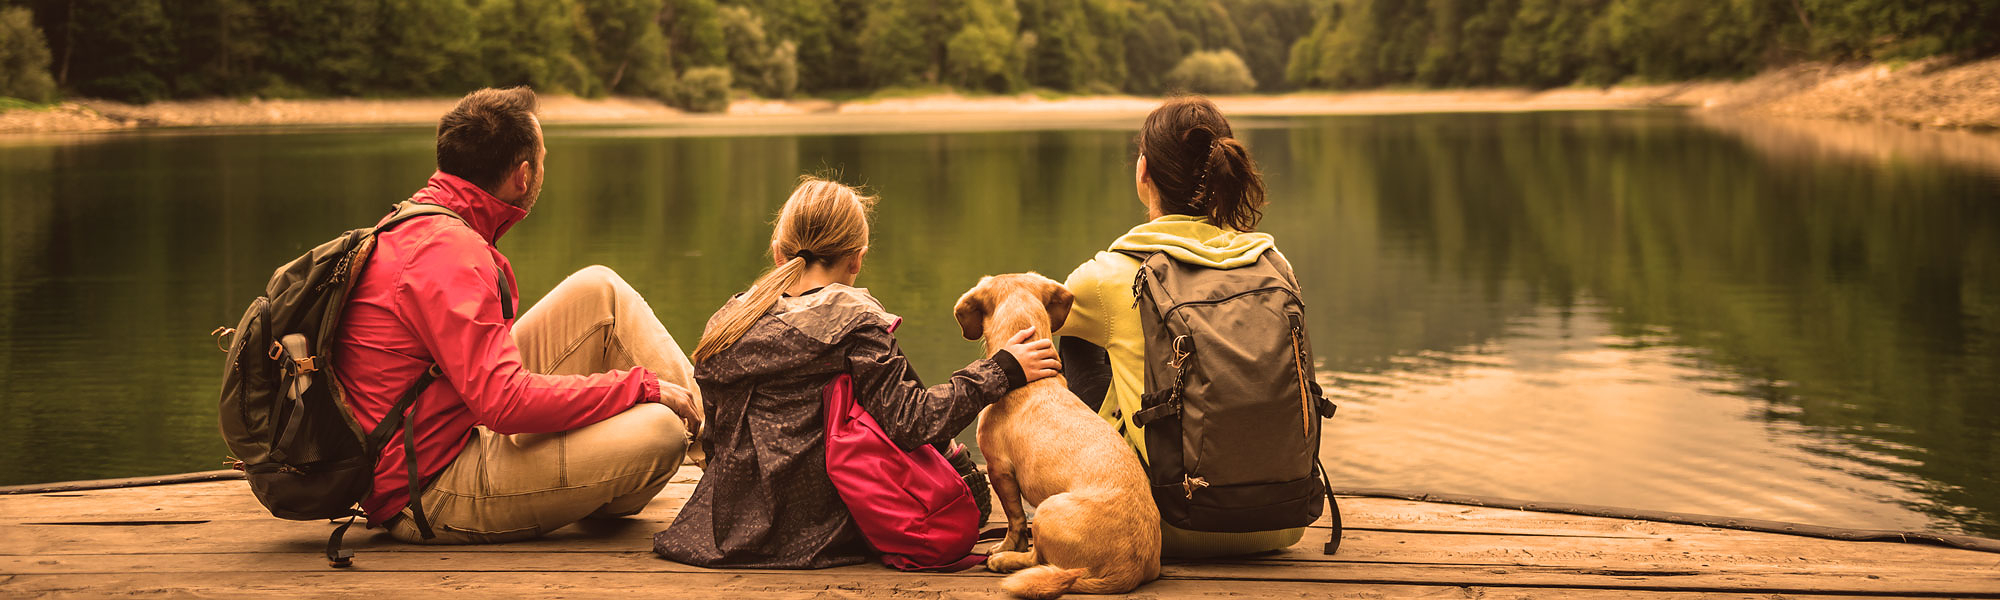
{"x": 1924, "y": 94}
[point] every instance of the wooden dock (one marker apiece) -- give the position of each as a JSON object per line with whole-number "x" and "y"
{"x": 213, "y": 539}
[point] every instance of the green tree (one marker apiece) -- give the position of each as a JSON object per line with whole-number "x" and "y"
{"x": 1078, "y": 43}
{"x": 771, "y": 69}
{"x": 1212, "y": 72}
{"x": 694, "y": 33}
{"x": 1546, "y": 44}
{"x": 24, "y": 57}
{"x": 1890, "y": 29}
{"x": 1268, "y": 29}
{"x": 1480, "y": 37}
{"x": 428, "y": 47}
{"x": 1350, "y": 46}
{"x": 1440, "y": 61}
{"x": 624, "y": 45}
{"x": 324, "y": 48}
{"x": 703, "y": 89}
{"x": 533, "y": 42}
{"x": 221, "y": 45}
{"x": 986, "y": 52}
{"x": 902, "y": 42}
{"x": 823, "y": 48}
{"x": 1153, "y": 45}
{"x": 118, "y": 49}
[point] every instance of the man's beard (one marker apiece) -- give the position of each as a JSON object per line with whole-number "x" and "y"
{"x": 527, "y": 203}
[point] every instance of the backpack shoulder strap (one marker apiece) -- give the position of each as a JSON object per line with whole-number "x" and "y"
{"x": 407, "y": 210}
{"x": 1284, "y": 266}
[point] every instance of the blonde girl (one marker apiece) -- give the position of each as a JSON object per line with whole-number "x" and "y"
{"x": 765, "y": 500}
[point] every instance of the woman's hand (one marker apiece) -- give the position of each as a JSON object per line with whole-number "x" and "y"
{"x": 1037, "y": 358}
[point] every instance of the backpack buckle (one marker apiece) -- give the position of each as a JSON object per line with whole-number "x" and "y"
{"x": 1146, "y": 417}
{"x": 1192, "y": 484}
{"x": 222, "y": 334}
{"x": 1182, "y": 350}
{"x": 294, "y": 364}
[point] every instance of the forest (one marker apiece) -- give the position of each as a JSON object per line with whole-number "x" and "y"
{"x": 696, "y": 54}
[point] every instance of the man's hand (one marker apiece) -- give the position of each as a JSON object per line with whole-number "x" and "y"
{"x": 1037, "y": 358}
{"x": 681, "y": 402}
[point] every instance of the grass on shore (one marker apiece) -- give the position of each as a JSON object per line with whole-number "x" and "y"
{"x": 9, "y": 103}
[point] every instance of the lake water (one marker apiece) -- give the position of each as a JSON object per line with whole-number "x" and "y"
{"x": 1643, "y": 309}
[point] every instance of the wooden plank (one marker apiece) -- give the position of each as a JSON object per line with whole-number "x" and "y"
{"x": 1422, "y": 547}
{"x": 204, "y": 499}
{"x": 1674, "y": 544}
{"x": 1779, "y": 553}
{"x": 225, "y": 499}
{"x": 287, "y": 566}
{"x": 218, "y": 499}
{"x": 787, "y": 585}
{"x": 92, "y": 484}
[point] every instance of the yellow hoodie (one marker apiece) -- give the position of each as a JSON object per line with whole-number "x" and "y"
{"x": 1104, "y": 315}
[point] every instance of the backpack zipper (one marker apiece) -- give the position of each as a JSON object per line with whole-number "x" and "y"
{"x": 1138, "y": 285}
{"x": 1299, "y": 358}
{"x": 1287, "y": 291}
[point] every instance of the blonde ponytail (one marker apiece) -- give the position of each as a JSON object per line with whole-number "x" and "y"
{"x": 823, "y": 222}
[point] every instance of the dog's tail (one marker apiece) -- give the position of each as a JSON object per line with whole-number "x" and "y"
{"x": 1042, "y": 582}
{"x": 1106, "y": 585}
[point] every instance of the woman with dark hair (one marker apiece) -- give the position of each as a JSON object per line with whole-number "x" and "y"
{"x": 1203, "y": 198}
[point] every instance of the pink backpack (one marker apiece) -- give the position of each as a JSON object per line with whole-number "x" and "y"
{"x": 911, "y": 506}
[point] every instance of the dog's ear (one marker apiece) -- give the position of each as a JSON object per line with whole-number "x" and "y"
{"x": 1057, "y": 299}
{"x": 971, "y": 311}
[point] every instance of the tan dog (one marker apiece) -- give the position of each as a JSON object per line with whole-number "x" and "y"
{"x": 1096, "y": 529}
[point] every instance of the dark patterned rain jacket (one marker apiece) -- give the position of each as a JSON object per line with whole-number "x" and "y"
{"x": 766, "y": 500}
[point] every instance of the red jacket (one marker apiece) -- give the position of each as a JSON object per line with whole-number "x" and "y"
{"x": 429, "y": 295}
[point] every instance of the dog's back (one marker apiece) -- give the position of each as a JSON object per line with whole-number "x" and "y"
{"x": 1096, "y": 529}
{"x": 1070, "y": 447}
{"x": 1095, "y": 523}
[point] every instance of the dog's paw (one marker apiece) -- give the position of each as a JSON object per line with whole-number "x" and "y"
{"x": 1008, "y": 562}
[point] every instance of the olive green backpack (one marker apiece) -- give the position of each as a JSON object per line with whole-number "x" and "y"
{"x": 1231, "y": 410}
{"x": 285, "y": 416}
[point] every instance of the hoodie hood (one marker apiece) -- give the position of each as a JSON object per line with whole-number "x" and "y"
{"x": 798, "y": 336}
{"x": 1194, "y": 241}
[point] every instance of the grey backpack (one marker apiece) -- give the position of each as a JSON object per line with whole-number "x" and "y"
{"x": 1231, "y": 410}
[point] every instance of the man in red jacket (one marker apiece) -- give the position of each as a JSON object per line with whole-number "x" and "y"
{"x": 582, "y": 407}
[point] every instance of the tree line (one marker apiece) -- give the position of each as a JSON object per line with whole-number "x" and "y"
{"x": 693, "y": 53}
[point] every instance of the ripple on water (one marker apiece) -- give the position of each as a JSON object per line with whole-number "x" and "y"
{"x": 1561, "y": 408}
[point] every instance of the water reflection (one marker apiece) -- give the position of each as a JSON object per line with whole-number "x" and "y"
{"x": 1634, "y": 309}
{"x": 1756, "y": 322}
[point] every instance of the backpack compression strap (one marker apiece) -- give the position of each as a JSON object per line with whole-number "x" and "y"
{"x": 1333, "y": 510}
{"x": 396, "y": 419}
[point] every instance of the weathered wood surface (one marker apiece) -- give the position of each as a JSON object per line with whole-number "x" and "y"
{"x": 212, "y": 538}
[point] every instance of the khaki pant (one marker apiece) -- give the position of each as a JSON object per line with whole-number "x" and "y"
{"x": 513, "y": 487}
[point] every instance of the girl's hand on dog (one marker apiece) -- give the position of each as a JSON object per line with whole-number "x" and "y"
{"x": 1037, "y": 357}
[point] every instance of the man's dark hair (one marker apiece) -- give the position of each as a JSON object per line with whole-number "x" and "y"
{"x": 489, "y": 132}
